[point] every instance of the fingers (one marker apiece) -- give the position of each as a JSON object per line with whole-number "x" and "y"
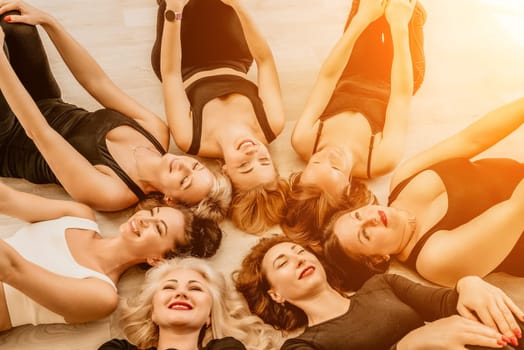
{"x": 476, "y": 333}
{"x": 465, "y": 312}
{"x": 6, "y": 6}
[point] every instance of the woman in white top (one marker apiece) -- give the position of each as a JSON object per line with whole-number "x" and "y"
{"x": 60, "y": 269}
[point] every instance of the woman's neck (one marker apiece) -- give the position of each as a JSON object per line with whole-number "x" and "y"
{"x": 112, "y": 257}
{"x": 146, "y": 167}
{"x": 324, "y": 306}
{"x": 178, "y": 339}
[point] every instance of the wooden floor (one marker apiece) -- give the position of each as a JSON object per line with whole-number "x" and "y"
{"x": 474, "y": 51}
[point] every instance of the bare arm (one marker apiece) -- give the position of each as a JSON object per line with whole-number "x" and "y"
{"x": 32, "y": 208}
{"x": 478, "y": 246}
{"x": 175, "y": 99}
{"x": 80, "y": 179}
{"x": 268, "y": 82}
{"x": 304, "y": 131}
{"x": 469, "y": 142}
{"x": 88, "y": 72}
{"x": 390, "y": 149}
{"x": 77, "y": 300}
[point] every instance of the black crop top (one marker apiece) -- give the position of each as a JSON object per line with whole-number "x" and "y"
{"x": 205, "y": 89}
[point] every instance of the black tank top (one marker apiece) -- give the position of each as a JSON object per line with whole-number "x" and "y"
{"x": 205, "y": 89}
{"x": 85, "y": 131}
{"x": 472, "y": 188}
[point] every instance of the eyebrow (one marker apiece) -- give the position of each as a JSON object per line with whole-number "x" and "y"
{"x": 281, "y": 256}
{"x": 188, "y": 282}
{"x": 162, "y": 221}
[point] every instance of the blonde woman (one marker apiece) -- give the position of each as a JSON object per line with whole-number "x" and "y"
{"x": 202, "y": 54}
{"x": 116, "y": 155}
{"x": 187, "y": 305}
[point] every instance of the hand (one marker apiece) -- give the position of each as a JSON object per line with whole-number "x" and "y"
{"x": 451, "y": 333}
{"x": 28, "y": 14}
{"x": 399, "y": 12}
{"x": 370, "y": 10}
{"x": 479, "y": 300}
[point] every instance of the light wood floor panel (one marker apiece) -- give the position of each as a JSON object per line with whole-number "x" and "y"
{"x": 474, "y": 52}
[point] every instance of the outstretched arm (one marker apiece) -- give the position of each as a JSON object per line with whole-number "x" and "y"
{"x": 80, "y": 179}
{"x": 86, "y": 70}
{"x": 469, "y": 142}
{"x": 304, "y": 132}
{"x": 175, "y": 99}
{"x": 32, "y": 208}
{"x": 268, "y": 82}
{"x": 390, "y": 149}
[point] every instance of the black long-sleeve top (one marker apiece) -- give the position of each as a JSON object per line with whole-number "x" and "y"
{"x": 381, "y": 313}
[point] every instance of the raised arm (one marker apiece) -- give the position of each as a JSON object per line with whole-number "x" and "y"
{"x": 390, "y": 149}
{"x": 32, "y": 208}
{"x": 469, "y": 142}
{"x": 304, "y": 131}
{"x": 79, "y": 178}
{"x": 176, "y": 103}
{"x": 87, "y": 71}
{"x": 268, "y": 82}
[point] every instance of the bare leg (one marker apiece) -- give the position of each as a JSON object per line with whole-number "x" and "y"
{"x": 77, "y": 300}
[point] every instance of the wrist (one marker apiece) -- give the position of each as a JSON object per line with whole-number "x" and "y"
{"x": 172, "y": 15}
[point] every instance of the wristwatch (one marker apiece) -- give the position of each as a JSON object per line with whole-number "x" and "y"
{"x": 172, "y": 16}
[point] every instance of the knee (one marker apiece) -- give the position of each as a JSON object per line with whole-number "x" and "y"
{"x": 17, "y": 31}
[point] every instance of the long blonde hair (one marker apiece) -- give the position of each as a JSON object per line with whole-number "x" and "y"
{"x": 229, "y": 314}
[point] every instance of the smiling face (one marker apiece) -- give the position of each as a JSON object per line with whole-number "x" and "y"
{"x": 292, "y": 272}
{"x": 185, "y": 179}
{"x": 330, "y": 170}
{"x": 248, "y": 164}
{"x": 372, "y": 230}
{"x": 153, "y": 233}
{"x": 183, "y": 300}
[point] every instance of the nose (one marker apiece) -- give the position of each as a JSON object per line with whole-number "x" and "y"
{"x": 250, "y": 149}
{"x": 181, "y": 294}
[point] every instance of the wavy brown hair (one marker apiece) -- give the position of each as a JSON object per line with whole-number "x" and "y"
{"x": 202, "y": 235}
{"x": 252, "y": 283}
{"x": 309, "y": 208}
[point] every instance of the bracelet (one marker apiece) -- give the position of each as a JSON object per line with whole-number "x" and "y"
{"x": 172, "y": 16}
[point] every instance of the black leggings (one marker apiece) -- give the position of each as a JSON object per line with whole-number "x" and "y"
{"x": 28, "y": 58}
{"x": 211, "y": 37}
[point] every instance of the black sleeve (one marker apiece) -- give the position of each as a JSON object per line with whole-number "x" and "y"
{"x": 117, "y": 344}
{"x": 431, "y": 303}
{"x": 227, "y": 343}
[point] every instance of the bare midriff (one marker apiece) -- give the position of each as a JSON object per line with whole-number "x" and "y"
{"x": 213, "y": 72}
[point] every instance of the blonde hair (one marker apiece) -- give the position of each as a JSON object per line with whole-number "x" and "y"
{"x": 229, "y": 314}
{"x": 259, "y": 208}
{"x": 215, "y": 205}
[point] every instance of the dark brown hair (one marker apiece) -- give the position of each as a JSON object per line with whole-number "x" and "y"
{"x": 202, "y": 235}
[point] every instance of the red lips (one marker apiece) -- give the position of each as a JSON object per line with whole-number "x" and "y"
{"x": 383, "y": 217}
{"x": 180, "y": 305}
{"x": 306, "y": 272}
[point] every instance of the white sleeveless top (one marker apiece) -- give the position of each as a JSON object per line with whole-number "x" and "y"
{"x": 44, "y": 244}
